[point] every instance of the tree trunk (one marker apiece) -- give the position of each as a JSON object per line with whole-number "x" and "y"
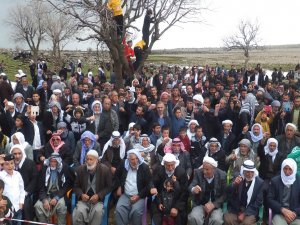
{"x": 120, "y": 62}
{"x": 145, "y": 57}
{"x": 58, "y": 51}
{"x": 246, "y": 62}
{"x": 118, "y": 68}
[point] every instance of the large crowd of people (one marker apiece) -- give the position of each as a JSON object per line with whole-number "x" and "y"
{"x": 201, "y": 137}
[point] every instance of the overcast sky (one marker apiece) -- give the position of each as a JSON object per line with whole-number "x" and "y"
{"x": 279, "y": 22}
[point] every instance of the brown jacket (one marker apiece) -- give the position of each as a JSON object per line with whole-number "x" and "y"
{"x": 103, "y": 181}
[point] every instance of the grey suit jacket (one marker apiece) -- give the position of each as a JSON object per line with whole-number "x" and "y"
{"x": 219, "y": 186}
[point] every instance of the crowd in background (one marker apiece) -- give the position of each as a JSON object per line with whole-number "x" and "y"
{"x": 211, "y": 133}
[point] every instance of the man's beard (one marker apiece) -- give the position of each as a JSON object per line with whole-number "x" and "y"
{"x": 249, "y": 179}
{"x": 92, "y": 167}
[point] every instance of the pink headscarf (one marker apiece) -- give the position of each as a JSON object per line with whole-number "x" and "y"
{"x": 168, "y": 148}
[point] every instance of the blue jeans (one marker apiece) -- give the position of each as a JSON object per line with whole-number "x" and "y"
{"x": 18, "y": 216}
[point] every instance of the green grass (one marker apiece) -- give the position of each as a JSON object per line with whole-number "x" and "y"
{"x": 11, "y": 66}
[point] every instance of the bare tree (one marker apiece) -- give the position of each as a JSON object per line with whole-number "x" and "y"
{"x": 94, "y": 17}
{"x": 246, "y": 39}
{"x": 60, "y": 29}
{"x": 28, "y": 25}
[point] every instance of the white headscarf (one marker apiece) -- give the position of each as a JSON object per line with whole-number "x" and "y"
{"x": 138, "y": 155}
{"x": 115, "y": 135}
{"x": 20, "y": 138}
{"x": 21, "y": 148}
{"x": 267, "y": 150}
{"x": 289, "y": 180}
{"x": 249, "y": 165}
{"x": 253, "y": 136}
{"x": 189, "y": 133}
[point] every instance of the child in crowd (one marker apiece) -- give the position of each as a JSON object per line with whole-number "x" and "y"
{"x": 166, "y": 199}
{"x": 184, "y": 138}
{"x": 14, "y": 186}
{"x": 265, "y": 118}
{"x": 6, "y": 207}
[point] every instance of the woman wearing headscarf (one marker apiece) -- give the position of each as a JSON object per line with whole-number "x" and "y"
{"x": 284, "y": 195}
{"x": 18, "y": 138}
{"x": 270, "y": 164}
{"x": 56, "y": 145}
{"x": 86, "y": 143}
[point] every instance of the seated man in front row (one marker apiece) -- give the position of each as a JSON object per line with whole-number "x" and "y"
{"x": 284, "y": 195}
{"x": 132, "y": 180}
{"x": 54, "y": 181}
{"x": 245, "y": 196}
{"x": 93, "y": 181}
{"x": 208, "y": 189}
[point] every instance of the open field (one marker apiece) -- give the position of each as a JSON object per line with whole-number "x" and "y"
{"x": 285, "y": 56}
{"x": 272, "y": 56}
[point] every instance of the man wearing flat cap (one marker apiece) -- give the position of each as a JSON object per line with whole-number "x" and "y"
{"x": 208, "y": 190}
{"x": 245, "y": 196}
{"x": 170, "y": 168}
{"x": 93, "y": 181}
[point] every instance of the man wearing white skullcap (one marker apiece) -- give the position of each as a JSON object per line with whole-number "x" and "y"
{"x": 284, "y": 195}
{"x": 226, "y": 137}
{"x": 170, "y": 168}
{"x": 208, "y": 189}
{"x": 288, "y": 140}
{"x": 245, "y": 196}
{"x": 93, "y": 182}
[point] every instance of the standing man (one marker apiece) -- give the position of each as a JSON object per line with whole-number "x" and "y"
{"x": 93, "y": 181}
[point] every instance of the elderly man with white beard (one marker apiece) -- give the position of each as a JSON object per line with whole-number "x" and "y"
{"x": 132, "y": 182}
{"x": 93, "y": 181}
{"x": 208, "y": 190}
{"x": 245, "y": 197}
